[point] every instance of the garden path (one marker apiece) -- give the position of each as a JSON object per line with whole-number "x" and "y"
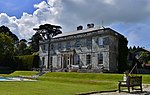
{"x": 146, "y": 91}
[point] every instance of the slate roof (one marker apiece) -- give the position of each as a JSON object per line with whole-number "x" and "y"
{"x": 88, "y": 30}
{"x": 78, "y": 32}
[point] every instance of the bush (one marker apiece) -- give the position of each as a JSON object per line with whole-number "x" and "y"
{"x": 5, "y": 70}
{"x": 27, "y": 62}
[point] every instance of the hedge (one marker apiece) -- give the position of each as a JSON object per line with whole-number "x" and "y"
{"x": 27, "y": 62}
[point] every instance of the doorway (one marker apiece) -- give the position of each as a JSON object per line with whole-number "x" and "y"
{"x": 67, "y": 61}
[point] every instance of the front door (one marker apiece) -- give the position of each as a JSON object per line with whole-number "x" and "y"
{"x": 67, "y": 61}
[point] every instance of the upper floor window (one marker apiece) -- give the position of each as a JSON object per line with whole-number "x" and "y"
{"x": 103, "y": 41}
{"x": 68, "y": 45}
{"x": 59, "y": 46}
{"x": 78, "y": 43}
{"x": 88, "y": 42}
{"x": 106, "y": 41}
{"x": 100, "y": 41}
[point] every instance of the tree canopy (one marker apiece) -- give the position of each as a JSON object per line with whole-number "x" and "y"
{"x": 6, "y": 48}
{"x": 6, "y": 30}
{"x": 34, "y": 44}
{"x": 46, "y": 31}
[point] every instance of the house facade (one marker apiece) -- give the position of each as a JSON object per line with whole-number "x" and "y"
{"x": 93, "y": 48}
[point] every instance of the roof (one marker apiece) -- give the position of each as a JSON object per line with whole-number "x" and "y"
{"x": 141, "y": 49}
{"x": 88, "y": 30}
{"x": 79, "y": 32}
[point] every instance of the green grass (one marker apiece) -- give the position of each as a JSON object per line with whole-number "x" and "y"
{"x": 146, "y": 78}
{"x": 62, "y": 83}
{"x": 24, "y": 73}
{"x": 20, "y": 73}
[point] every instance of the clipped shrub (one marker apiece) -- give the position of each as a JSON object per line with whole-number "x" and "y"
{"x": 27, "y": 62}
{"x": 5, "y": 70}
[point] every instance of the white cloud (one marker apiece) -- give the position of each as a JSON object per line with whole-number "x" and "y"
{"x": 10, "y": 22}
{"x": 46, "y": 12}
{"x": 41, "y": 5}
{"x": 134, "y": 14}
{"x": 111, "y": 2}
{"x": 4, "y": 18}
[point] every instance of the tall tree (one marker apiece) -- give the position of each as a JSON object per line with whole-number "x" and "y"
{"x": 48, "y": 31}
{"x": 6, "y": 30}
{"x": 22, "y": 48}
{"x": 34, "y": 44}
{"x": 23, "y": 40}
{"x": 134, "y": 48}
{"x": 144, "y": 56}
{"x": 6, "y": 48}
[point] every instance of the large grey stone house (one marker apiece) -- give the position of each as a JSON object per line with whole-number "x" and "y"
{"x": 92, "y": 48}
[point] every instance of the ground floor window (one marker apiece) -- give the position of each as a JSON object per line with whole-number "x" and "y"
{"x": 51, "y": 60}
{"x": 77, "y": 59}
{"x": 100, "y": 58}
{"x": 43, "y": 61}
{"x": 88, "y": 59}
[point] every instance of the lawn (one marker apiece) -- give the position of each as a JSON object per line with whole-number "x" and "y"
{"x": 62, "y": 83}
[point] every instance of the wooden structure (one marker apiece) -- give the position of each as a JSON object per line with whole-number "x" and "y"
{"x": 131, "y": 81}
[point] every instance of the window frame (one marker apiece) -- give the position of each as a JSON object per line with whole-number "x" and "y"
{"x": 68, "y": 45}
{"x": 78, "y": 43}
{"x": 100, "y": 58}
{"x": 59, "y": 46}
{"x": 88, "y": 42}
{"x": 77, "y": 59}
{"x": 88, "y": 59}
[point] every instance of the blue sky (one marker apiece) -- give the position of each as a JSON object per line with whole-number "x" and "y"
{"x": 17, "y": 7}
{"x": 129, "y": 17}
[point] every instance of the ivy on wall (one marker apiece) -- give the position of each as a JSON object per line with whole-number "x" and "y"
{"x": 123, "y": 53}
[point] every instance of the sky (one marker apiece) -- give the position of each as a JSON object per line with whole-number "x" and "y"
{"x": 128, "y": 17}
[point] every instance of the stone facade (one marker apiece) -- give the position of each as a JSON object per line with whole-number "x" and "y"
{"x": 92, "y": 49}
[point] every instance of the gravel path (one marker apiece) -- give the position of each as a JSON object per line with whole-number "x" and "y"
{"x": 146, "y": 91}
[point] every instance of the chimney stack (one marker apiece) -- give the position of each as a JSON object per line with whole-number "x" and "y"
{"x": 90, "y": 25}
{"x": 80, "y": 27}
